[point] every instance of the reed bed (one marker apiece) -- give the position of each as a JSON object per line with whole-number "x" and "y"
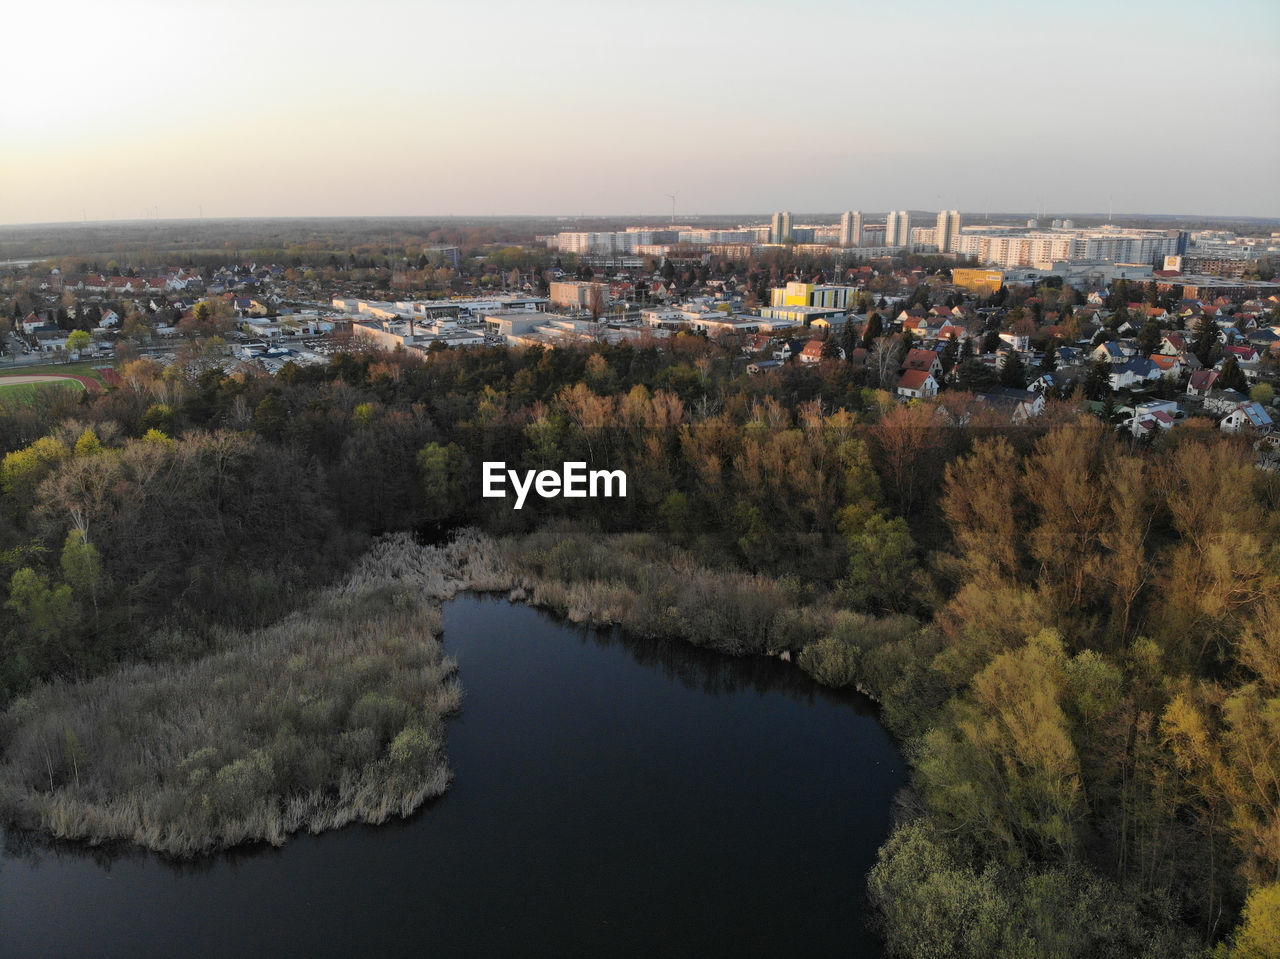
{"x": 657, "y": 590}
{"x": 333, "y": 715}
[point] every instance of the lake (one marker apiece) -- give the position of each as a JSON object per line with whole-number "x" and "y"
{"x": 611, "y": 797}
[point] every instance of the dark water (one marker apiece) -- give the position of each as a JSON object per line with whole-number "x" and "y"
{"x": 611, "y": 798}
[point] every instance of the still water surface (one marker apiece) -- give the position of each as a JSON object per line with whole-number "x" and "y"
{"x": 612, "y": 797}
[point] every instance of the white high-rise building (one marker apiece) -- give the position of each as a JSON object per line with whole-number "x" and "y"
{"x": 780, "y": 230}
{"x": 948, "y": 227}
{"x": 897, "y": 228}
{"x": 851, "y": 228}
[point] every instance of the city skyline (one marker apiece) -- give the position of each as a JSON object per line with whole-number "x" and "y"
{"x": 241, "y": 110}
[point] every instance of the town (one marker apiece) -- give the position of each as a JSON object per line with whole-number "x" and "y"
{"x": 1146, "y": 328}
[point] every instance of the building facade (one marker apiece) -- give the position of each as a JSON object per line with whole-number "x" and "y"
{"x": 851, "y": 228}
{"x": 897, "y": 229}
{"x": 780, "y": 228}
{"x": 946, "y": 230}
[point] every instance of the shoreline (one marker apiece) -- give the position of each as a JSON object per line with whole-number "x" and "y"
{"x": 413, "y": 578}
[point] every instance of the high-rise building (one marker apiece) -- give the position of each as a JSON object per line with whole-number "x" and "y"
{"x": 948, "y": 227}
{"x": 780, "y": 230}
{"x": 851, "y": 228}
{"x": 897, "y": 228}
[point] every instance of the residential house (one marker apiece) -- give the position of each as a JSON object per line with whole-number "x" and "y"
{"x": 1265, "y": 340}
{"x": 1068, "y": 356}
{"x": 126, "y": 284}
{"x": 787, "y": 349}
{"x": 1247, "y": 416}
{"x": 927, "y": 360}
{"x": 1018, "y": 405}
{"x": 812, "y": 352}
{"x": 1223, "y": 402}
{"x": 32, "y": 322}
{"x": 1135, "y": 373}
{"x": 917, "y": 384}
{"x": 1152, "y": 416}
{"x": 1109, "y": 351}
{"x": 950, "y": 330}
{"x": 1170, "y": 366}
{"x": 1243, "y": 354}
{"x": 1248, "y": 359}
{"x": 1043, "y": 382}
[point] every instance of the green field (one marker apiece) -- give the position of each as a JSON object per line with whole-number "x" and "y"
{"x": 25, "y": 394}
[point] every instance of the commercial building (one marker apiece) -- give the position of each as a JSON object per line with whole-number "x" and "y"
{"x": 813, "y": 316}
{"x": 516, "y": 323}
{"x": 984, "y": 282}
{"x": 811, "y": 294}
{"x": 579, "y": 295}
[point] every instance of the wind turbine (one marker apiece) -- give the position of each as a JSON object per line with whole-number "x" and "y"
{"x": 672, "y": 198}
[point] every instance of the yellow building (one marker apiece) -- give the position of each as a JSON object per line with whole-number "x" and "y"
{"x": 810, "y": 294}
{"x": 985, "y": 282}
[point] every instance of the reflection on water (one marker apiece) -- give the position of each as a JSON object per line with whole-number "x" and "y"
{"x": 612, "y": 797}
{"x": 715, "y": 673}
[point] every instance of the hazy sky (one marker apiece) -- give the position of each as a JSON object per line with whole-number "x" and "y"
{"x": 138, "y": 108}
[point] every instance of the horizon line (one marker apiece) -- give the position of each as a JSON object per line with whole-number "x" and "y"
{"x": 614, "y": 216}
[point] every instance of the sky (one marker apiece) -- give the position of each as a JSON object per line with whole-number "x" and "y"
{"x": 580, "y": 107}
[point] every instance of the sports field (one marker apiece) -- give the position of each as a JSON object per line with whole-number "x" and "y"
{"x": 24, "y": 388}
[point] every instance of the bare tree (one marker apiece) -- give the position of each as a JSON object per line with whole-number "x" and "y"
{"x": 884, "y": 361}
{"x": 595, "y": 301}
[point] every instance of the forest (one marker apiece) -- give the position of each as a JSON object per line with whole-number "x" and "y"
{"x": 1074, "y": 636}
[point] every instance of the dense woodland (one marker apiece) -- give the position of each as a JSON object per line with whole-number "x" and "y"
{"x": 1076, "y": 638}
